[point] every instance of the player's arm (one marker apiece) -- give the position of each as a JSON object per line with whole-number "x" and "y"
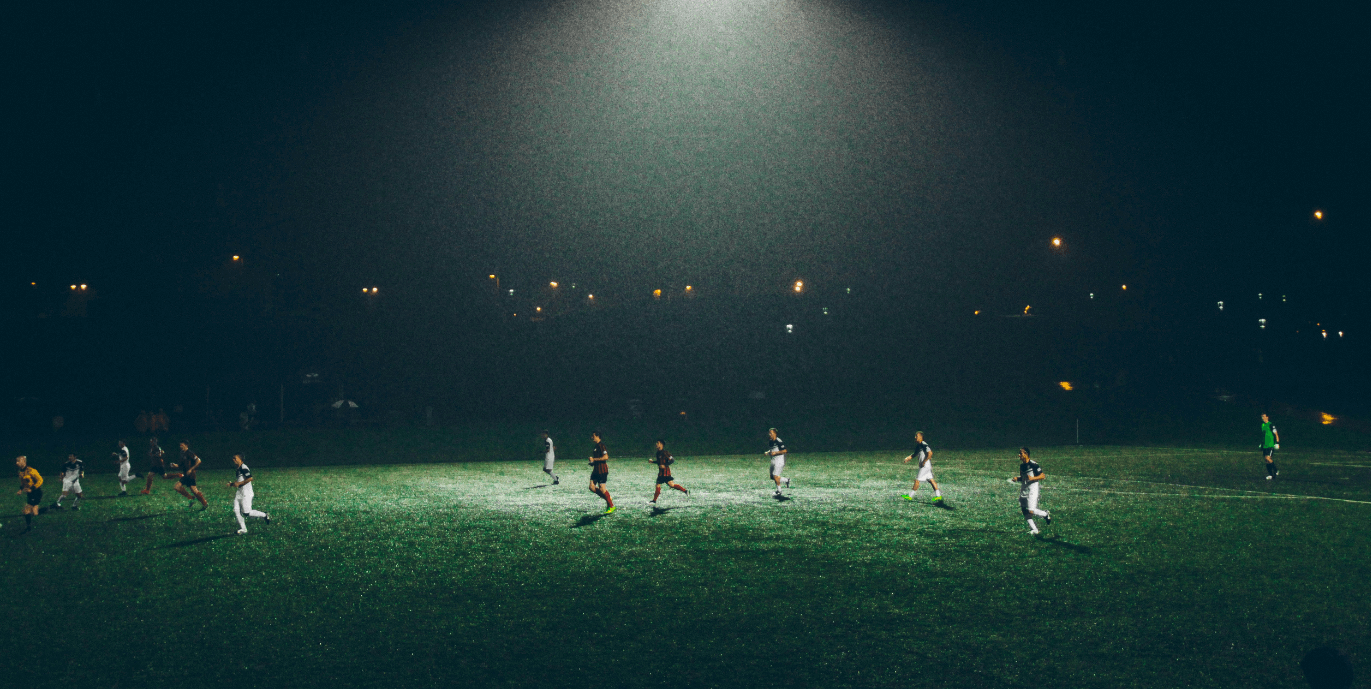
{"x": 1275, "y": 434}
{"x": 928, "y": 457}
{"x": 906, "y": 459}
{"x": 1034, "y": 479}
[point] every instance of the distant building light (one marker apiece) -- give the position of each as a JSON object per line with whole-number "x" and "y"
{"x": 553, "y": 285}
{"x": 1261, "y": 323}
{"x": 73, "y": 286}
{"x": 1259, "y": 295}
{"x": 656, "y": 294}
{"x": 1325, "y": 334}
{"x": 789, "y": 328}
{"x": 799, "y": 285}
{"x": 1125, "y": 286}
{"x": 1066, "y": 386}
{"x": 849, "y": 290}
{"x": 590, "y": 297}
{"x": 1326, "y": 418}
{"x": 1056, "y": 241}
{"x": 511, "y": 293}
{"x": 1282, "y": 297}
{"x": 1220, "y": 306}
{"x": 538, "y": 309}
{"x": 1339, "y": 333}
{"x": 1025, "y": 310}
{"x": 825, "y": 310}
{"x": 1092, "y": 295}
{"x": 1318, "y": 215}
{"x": 491, "y": 276}
{"x": 977, "y": 313}
{"x": 83, "y": 288}
{"x": 236, "y": 257}
{"x": 689, "y": 288}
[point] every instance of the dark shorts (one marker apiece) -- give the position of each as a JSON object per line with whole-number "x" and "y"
{"x": 1266, "y": 452}
{"x": 188, "y": 480}
{"x": 156, "y": 470}
{"x": 599, "y": 478}
{"x": 665, "y": 478}
{"x": 35, "y": 497}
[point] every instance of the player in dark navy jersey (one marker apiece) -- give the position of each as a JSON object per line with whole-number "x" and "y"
{"x": 776, "y": 453}
{"x": 72, "y": 471}
{"x": 924, "y": 454}
{"x": 190, "y": 462}
{"x": 664, "y": 460}
{"x": 242, "y": 499}
{"x": 1030, "y": 475}
{"x": 599, "y": 471}
{"x": 157, "y": 464}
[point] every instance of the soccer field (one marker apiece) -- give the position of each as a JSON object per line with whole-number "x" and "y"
{"x": 1163, "y": 568}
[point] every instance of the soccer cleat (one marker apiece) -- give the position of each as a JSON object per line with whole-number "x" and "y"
{"x": 652, "y": 502}
{"x": 611, "y": 509}
{"x": 908, "y": 497}
{"x": 267, "y": 519}
{"x": 555, "y": 481}
{"x": 1048, "y": 518}
{"x": 787, "y": 483}
{"x": 145, "y": 492}
{"x": 1034, "y": 532}
{"x": 1268, "y": 478}
{"x": 939, "y": 498}
{"x": 76, "y": 507}
{"x": 242, "y": 531}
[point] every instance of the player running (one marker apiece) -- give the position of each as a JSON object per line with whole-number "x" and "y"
{"x": 664, "y": 461}
{"x": 157, "y": 464}
{"x": 549, "y": 457}
{"x": 121, "y": 458}
{"x": 186, "y": 479}
{"x": 1271, "y": 441}
{"x": 72, "y": 471}
{"x": 1030, "y": 475}
{"x": 242, "y": 499}
{"x": 777, "y": 455}
{"x": 599, "y": 472}
{"x": 30, "y": 485}
{"x": 925, "y": 455}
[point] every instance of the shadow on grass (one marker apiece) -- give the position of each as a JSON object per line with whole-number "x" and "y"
{"x": 136, "y": 518}
{"x": 1056, "y": 541}
{"x": 102, "y": 497}
{"x": 943, "y": 505}
{"x": 193, "y": 541}
{"x": 782, "y": 498}
{"x": 587, "y": 520}
{"x": 541, "y": 485}
{"x": 659, "y": 511}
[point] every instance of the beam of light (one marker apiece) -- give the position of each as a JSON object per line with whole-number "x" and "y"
{"x": 1327, "y": 419}
{"x": 1066, "y": 386}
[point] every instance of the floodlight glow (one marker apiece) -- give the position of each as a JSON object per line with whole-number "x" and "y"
{"x": 1318, "y": 215}
{"x": 1056, "y": 241}
{"x": 656, "y": 294}
{"x": 1325, "y": 334}
{"x": 1339, "y": 333}
{"x": 553, "y": 285}
{"x": 1327, "y": 419}
{"x": 236, "y": 257}
{"x": 799, "y": 285}
{"x": 1066, "y": 386}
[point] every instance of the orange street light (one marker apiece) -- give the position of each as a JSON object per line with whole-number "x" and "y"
{"x": 553, "y": 285}
{"x": 799, "y": 285}
{"x": 688, "y": 288}
{"x": 1056, "y": 241}
{"x": 83, "y": 288}
{"x": 1125, "y": 286}
{"x": 539, "y": 309}
{"x": 236, "y": 257}
{"x": 656, "y": 294}
{"x": 1318, "y": 215}
{"x": 73, "y": 286}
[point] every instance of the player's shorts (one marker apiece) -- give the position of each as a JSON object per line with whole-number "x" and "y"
{"x": 547, "y": 463}
{"x": 188, "y": 481}
{"x": 1267, "y": 452}
{"x": 926, "y": 472}
{"x": 125, "y": 471}
{"x": 777, "y": 464}
{"x": 243, "y": 502}
{"x": 1028, "y": 497}
{"x": 158, "y": 469}
{"x": 35, "y": 497}
{"x": 71, "y": 485}
{"x": 664, "y": 478}
{"x": 600, "y": 478}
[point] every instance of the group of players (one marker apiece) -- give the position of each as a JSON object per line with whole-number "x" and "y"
{"x": 1029, "y": 479}
{"x": 1030, "y": 475}
{"x": 184, "y": 473}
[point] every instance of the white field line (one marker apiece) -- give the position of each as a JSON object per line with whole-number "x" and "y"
{"x": 1273, "y": 496}
{"x": 1336, "y": 464}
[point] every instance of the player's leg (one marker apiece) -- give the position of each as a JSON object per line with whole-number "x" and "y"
{"x": 677, "y": 486}
{"x": 201, "y": 496}
{"x": 76, "y": 500}
{"x": 657, "y": 493}
{"x": 238, "y": 509}
{"x": 147, "y": 490}
{"x": 937, "y": 492}
{"x": 1028, "y": 516}
{"x": 182, "y": 490}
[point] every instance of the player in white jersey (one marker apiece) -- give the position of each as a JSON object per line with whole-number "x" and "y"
{"x": 777, "y": 454}
{"x": 121, "y": 458}
{"x": 924, "y": 454}
{"x": 1030, "y": 475}
{"x": 242, "y": 499}
{"x": 549, "y": 457}
{"x": 72, "y": 471}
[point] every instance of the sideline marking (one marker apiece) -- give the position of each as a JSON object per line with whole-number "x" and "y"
{"x": 1273, "y": 496}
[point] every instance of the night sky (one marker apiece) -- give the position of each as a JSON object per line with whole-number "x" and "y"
{"x": 909, "y": 149}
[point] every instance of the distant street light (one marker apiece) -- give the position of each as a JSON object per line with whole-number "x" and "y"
{"x": 1220, "y": 306}
{"x": 237, "y": 257}
{"x": 656, "y": 294}
{"x": 553, "y": 285}
{"x": 799, "y": 285}
{"x": 1318, "y": 215}
{"x": 689, "y": 288}
{"x": 1125, "y": 286}
{"x": 1057, "y": 242}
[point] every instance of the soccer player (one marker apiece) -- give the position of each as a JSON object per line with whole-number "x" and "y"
{"x": 186, "y": 479}
{"x": 1030, "y": 475}
{"x": 121, "y": 457}
{"x": 1271, "y": 441}
{"x": 30, "y": 483}
{"x": 72, "y": 471}
{"x": 664, "y": 461}
{"x": 549, "y": 456}
{"x": 599, "y": 472}
{"x": 157, "y": 464}
{"x": 777, "y": 455}
{"x": 925, "y": 455}
{"x": 242, "y": 499}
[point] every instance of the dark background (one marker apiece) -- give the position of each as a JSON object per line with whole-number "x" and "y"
{"x": 921, "y": 156}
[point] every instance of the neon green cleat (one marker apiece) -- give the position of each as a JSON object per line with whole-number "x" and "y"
{"x": 609, "y": 510}
{"x": 938, "y": 499}
{"x": 908, "y": 497}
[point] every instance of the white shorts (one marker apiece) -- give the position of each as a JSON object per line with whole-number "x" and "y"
{"x": 71, "y": 485}
{"x": 926, "y": 472}
{"x": 1028, "y": 497}
{"x": 125, "y": 472}
{"x": 777, "y": 464}
{"x": 242, "y": 502}
{"x": 547, "y": 462}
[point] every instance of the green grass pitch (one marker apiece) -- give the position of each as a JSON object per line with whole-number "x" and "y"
{"x": 1163, "y": 568}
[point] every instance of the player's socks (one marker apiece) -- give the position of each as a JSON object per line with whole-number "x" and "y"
{"x": 242, "y": 524}
{"x": 680, "y": 488}
{"x": 1048, "y": 518}
{"x": 1032, "y": 528}
{"x": 937, "y": 493}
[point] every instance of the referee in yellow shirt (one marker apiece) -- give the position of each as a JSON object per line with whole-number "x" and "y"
{"x": 31, "y": 485}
